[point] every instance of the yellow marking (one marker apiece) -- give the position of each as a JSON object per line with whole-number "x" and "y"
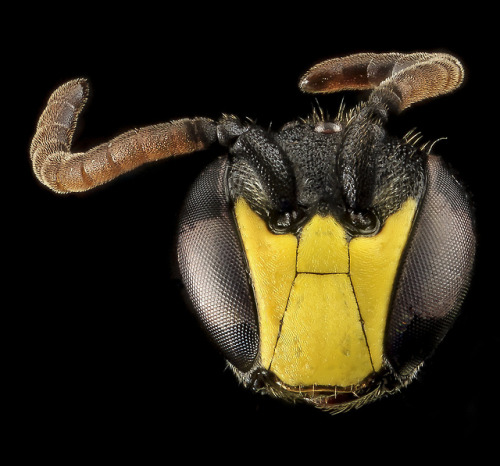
{"x": 322, "y": 302}
{"x": 322, "y": 340}
{"x": 271, "y": 259}
{"x": 323, "y": 247}
{"x": 374, "y": 264}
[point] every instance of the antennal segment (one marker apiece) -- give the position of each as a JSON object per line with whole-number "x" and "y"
{"x": 398, "y": 80}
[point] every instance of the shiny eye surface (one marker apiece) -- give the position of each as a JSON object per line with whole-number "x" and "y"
{"x": 328, "y": 127}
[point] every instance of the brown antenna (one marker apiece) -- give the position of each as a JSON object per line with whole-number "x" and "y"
{"x": 63, "y": 171}
{"x": 397, "y": 79}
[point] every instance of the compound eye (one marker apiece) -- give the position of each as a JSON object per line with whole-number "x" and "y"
{"x": 214, "y": 270}
{"x": 364, "y": 223}
{"x": 435, "y": 274}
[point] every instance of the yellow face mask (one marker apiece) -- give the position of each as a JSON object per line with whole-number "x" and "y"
{"x": 322, "y": 297}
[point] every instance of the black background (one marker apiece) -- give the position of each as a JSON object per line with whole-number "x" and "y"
{"x": 107, "y": 361}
